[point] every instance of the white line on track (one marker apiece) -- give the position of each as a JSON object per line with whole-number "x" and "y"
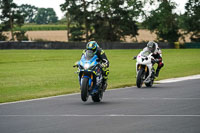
{"x": 106, "y": 115}
{"x": 157, "y": 98}
{"x": 44, "y": 98}
{"x": 171, "y": 80}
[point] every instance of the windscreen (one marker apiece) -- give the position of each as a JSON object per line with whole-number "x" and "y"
{"x": 89, "y": 54}
{"x": 146, "y": 53}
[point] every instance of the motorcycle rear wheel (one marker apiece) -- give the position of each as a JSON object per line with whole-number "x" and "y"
{"x": 97, "y": 97}
{"x": 84, "y": 90}
{"x": 150, "y": 84}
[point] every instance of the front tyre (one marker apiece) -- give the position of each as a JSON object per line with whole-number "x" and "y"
{"x": 140, "y": 76}
{"x": 84, "y": 90}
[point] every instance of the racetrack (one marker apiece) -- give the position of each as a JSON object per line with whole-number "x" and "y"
{"x": 164, "y": 108}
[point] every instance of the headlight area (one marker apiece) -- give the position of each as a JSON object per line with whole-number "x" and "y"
{"x": 86, "y": 66}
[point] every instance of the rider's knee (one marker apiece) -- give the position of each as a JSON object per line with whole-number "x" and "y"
{"x": 160, "y": 64}
{"x": 107, "y": 73}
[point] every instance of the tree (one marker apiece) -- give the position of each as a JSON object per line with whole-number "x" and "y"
{"x": 103, "y": 20}
{"x": 78, "y": 18}
{"x": 10, "y": 16}
{"x": 20, "y": 35}
{"x": 116, "y": 19}
{"x": 190, "y": 20}
{"x": 29, "y": 12}
{"x": 46, "y": 16}
{"x": 2, "y": 36}
{"x": 164, "y": 22}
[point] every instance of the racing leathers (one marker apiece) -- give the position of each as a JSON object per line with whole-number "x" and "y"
{"x": 157, "y": 54}
{"x": 104, "y": 63}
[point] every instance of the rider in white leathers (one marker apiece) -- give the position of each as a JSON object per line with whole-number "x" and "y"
{"x": 156, "y": 53}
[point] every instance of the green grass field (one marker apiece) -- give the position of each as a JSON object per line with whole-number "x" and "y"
{"x": 27, "y": 74}
{"x": 38, "y": 27}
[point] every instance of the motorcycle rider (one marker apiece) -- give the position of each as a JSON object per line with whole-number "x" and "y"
{"x": 93, "y": 45}
{"x": 156, "y": 53}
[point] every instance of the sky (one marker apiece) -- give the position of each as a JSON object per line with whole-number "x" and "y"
{"x": 55, "y": 4}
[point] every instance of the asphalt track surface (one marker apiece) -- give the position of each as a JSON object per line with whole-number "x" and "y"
{"x": 165, "y": 108}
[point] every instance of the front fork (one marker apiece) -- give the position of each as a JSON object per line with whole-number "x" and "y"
{"x": 90, "y": 80}
{"x": 146, "y": 69}
{"x": 139, "y": 66}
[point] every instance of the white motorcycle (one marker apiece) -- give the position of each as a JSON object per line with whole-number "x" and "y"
{"x": 144, "y": 68}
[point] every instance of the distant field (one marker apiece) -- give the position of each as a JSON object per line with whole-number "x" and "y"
{"x": 58, "y": 32}
{"x": 61, "y": 35}
{"x": 27, "y": 74}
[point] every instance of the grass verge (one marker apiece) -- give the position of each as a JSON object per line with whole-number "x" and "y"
{"x": 27, "y": 74}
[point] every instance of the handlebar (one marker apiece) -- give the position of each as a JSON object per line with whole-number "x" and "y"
{"x": 134, "y": 57}
{"x": 154, "y": 60}
{"x": 75, "y": 65}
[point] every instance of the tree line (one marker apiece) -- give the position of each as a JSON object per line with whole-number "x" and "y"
{"x": 111, "y": 20}
{"x": 13, "y": 15}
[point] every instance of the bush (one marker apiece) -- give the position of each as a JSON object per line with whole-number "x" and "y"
{"x": 3, "y": 37}
{"x": 20, "y": 36}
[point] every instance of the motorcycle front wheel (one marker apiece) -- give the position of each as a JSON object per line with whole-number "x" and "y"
{"x": 140, "y": 76}
{"x": 84, "y": 90}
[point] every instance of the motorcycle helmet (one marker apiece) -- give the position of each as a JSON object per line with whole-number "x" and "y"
{"x": 151, "y": 46}
{"x": 92, "y": 45}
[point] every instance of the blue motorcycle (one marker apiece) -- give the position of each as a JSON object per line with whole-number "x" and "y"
{"x": 90, "y": 77}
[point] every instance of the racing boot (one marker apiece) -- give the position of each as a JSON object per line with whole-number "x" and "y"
{"x": 104, "y": 84}
{"x": 105, "y": 78}
{"x": 153, "y": 74}
{"x": 157, "y": 72}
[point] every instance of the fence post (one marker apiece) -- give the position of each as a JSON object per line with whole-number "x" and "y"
{"x": 177, "y": 45}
